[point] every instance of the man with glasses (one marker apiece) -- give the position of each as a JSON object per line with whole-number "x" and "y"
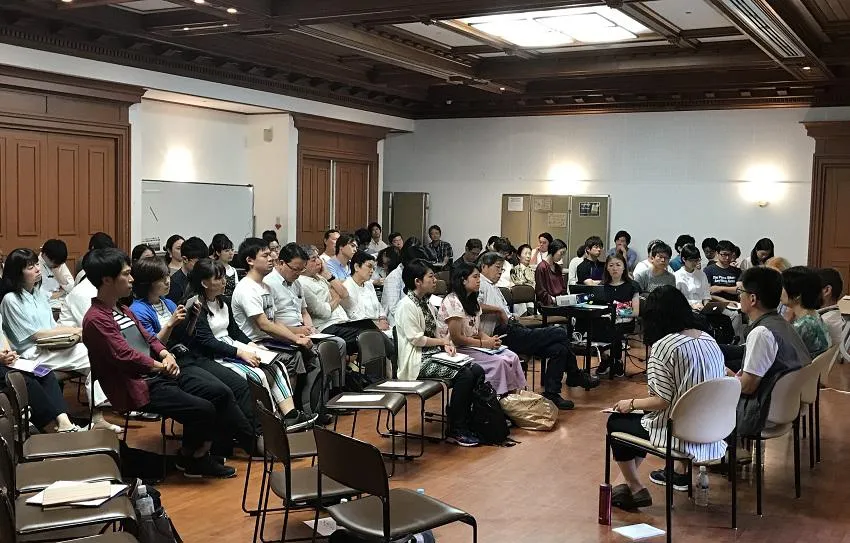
{"x": 722, "y": 275}
{"x": 346, "y": 246}
{"x": 470, "y": 255}
{"x": 657, "y": 274}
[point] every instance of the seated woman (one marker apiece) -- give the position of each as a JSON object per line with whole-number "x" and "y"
{"x": 622, "y": 291}
{"x": 173, "y": 257}
{"x": 158, "y": 314}
{"x": 362, "y": 303}
{"x": 141, "y": 251}
{"x": 691, "y": 280}
{"x": 538, "y": 254}
{"x": 522, "y": 273}
{"x": 801, "y": 294}
{"x": 48, "y": 411}
{"x": 27, "y": 317}
{"x": 682, "y": 357}
{"x": 459, "y": 319}
{"x": 212, "y": 332}
{"x": 418, "y": 343}
{"x": 761, "y": 253}
{"x": 548, "y": 277}
{"x": 221, "y": 249}
{"x": 387, "y": 260}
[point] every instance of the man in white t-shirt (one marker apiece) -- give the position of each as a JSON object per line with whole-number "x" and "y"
{"x": 254, "y": 313}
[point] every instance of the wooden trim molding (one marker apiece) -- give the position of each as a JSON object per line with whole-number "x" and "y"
{"x": 323, "y": 124}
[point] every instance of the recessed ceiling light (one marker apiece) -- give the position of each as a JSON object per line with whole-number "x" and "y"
{"x": 501, "y": 88}
{"x": 67, "y": 1}
{"x": 232, "y": 11}
{"x": 807, "y": 68}
{"x": 186, "y": 28}
{"x": 200, "y": 1}
{"x": 224, "y": 25}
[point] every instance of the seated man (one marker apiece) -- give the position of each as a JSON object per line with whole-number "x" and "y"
{"x": 709, "y": 248}
{"x": 470, "y": 255}
{"x": 622, "y": 239}
{"x": 832, "y": 291}
{"x": 337, "y": 266}
{"x": 442, "y": 250}
{"x": 393, "y": 284}
{"x": 56, "y": 278}
{"x": 503, "y": 247}
{"x": 254, "y": 312}
{"x": 657, "y": 275}
{"x": 589, "y": 271}
{"x": 289, "y": 304}
{"x": 773, "y": 347}
{"x": 121, "y": 354}
{"x": 551, "y": 342}
{"x": 722, "y": 275}
{"x": 192, "y": 249}
{"x": 685, "y": 239}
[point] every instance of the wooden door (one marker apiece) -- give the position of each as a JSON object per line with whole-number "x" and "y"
{"x": 314, "y": 201}
{"x": 56, "y": 186}
{"x": 351, "y": 196}
{"x": 835, "y": 227}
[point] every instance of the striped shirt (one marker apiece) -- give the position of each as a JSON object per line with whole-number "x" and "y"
{"x": 676, "y": 364}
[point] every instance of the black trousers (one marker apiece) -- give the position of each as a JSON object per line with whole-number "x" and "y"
{"x": 614, "y": 334}
{"x": 196, "y": 414}
{"x": 231, "y": 424}
{"x": 551, "y": 342}
{"x": 460, "y": 407}
{"x": 241, "y": 394}
{"x": 45, "y": 397}
{"x": 734, "y": 356}
{"x": 627, "y": 423}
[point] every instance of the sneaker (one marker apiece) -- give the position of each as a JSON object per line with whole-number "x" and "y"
{"x": 559, "y": 402}
{"x": 463, "y": 439}
{"x": 680, "y": 480}
{"x": 325, "y": 419}
{"x": 141, "y": 415}
{"x": 206, "y": 467}
{"x": 298, "y": 420}
{"x": 619, "y": 369}
{"x": 582, "y": 379}
{"x": 603, "y": 368}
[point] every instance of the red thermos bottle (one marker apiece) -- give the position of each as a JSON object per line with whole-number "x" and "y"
{"x": 605, "y": 504}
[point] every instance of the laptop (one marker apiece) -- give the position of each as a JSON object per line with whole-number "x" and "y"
{"x": 599, "y": 295}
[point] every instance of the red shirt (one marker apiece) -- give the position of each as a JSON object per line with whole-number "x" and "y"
{"x": 118, "y": 367}
{"x": 548, "y": 283}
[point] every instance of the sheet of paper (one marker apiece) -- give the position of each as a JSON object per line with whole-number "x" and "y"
{"x": 457, "y": 359}
{"x": 360, "y": 398}
{"x": 22, "y": 364}
{"x": 638, "y": 531}
{"x": 401, "y": 384}
{"x": 326, "y": 526}
{"x": 114, "y": 490}
{"x": 266, "y": 357}
{"x": 435, "y": 300}
{"x": 515, "y": 203}
{"x": 319, "y": 335}
{"x": 611, "y": 410}
{"x": 489, "y": 351}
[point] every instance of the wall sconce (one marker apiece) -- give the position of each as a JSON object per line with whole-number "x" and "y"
{"x": 763, "y": 184}
{"x": 567, "y": 178}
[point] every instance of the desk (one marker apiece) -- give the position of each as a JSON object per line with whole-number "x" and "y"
{"x": 588, "y": 312}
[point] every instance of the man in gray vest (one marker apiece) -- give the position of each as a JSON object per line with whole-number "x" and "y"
{"x": 773, "y": 347}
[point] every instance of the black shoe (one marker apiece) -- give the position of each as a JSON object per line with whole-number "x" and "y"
{"x": 603, "y": 368}
{"x": 298, "y": 420}
{"x": 621, "y": 496}
{"x": 206, "y": 467}
{"x": 559, "y": 402}
{"x": 582, "y": 379}
{"x": 680, "y": 480}
{"x": 619, "y": 369}
{"x": 641, "y": 498}
{"x": 325, "y": 419}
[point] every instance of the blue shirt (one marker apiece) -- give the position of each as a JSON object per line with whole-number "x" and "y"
{"x": 676, "y": 263}
{"x": 25, "y": 314}
{"x": 631, "y": 257}
{"x": 340, "y": 272}
{"x": 146, "y": 313}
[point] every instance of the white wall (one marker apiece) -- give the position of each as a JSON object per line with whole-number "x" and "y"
{"x": 667, "y": 173}
{"x": 173, "y": 142}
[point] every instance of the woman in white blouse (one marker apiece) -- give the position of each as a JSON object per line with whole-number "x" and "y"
{"x": 682, "y": 357}
{"x": 362, "y": 302}
{"x": 691, "y": 280}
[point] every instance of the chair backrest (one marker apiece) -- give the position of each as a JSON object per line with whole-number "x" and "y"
{"x": 442, "y": 288}
{"x": 274, "y": 435}
{"x": 6, "y": 404}
{"x": 19, "y": 386}
{"x": 20, "y": 404}
{"x": 444, "y": 275}
{"x": 351, "y": 462}
{"x": 706, "y": 412}
{"x": 372, "y": 350}
{"x": 785, "y": 397}
{"x": 7, "y": 516}
{"x": 820, "y": 369}
{"x": 329, "y": 359}
{"x": 7, "y": 452}
{"x": 260, "y": 394}
{"x": 507, "y": 295}
{"x": 522, "y": 294}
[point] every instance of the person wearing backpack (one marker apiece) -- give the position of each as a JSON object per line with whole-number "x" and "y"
{"x": 416, "y": 328}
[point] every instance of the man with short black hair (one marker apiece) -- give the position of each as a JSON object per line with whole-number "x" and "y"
{"x": 832, "y": 289}
{"x": 622, "y": 240}
{"x": 394, "y": 284}
{"x": 722, "y": 275}
{"x": 658, "y": 275}
{"x": 685, "y": 239}
{"x": 346, "y": 246}
{"x": 709, "y": 248}
{"x": 552, "y": 342}
{"x": 330, "y": 244}
{"x": 376, "y": 244}
{"x": 470, "y": 255}
{"x": 137, "y": 372}
{"x": 772, "y": 349}
{"x": 442, "y": 250}
{"x": 56, "y": 278}
{"x": 396, "y": 240}
{"x": 589, "y": 271}
{"x": 192, "y": 250}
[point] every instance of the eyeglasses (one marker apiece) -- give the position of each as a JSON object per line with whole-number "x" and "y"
{"x": 294, "y": 270}
{"x": 740, "y": 291}
{"x": 725, "y": 254}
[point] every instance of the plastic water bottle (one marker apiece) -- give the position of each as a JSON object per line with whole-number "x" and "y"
{"x": 701, "y": 497}
{"x": 144, "y": 502}
{"x": 420, "y": 491}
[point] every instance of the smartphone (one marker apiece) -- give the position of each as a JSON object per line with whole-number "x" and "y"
{"x": 501, "y": 336}
{"x": 190, "y": 302}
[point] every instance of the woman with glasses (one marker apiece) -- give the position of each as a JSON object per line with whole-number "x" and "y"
{"x": 690, "y": 279}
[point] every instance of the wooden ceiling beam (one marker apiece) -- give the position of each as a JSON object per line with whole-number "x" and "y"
{"x": 79, "y": 4}
{"x": 715, "y": 32}
{"x": 400, "y": 54}
{"x": 648, "y": 18}
{"x": 471, "y": 32}
{"x": 572, "y": 66}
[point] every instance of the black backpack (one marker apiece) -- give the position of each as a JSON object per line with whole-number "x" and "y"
{"x": 488, "y": 421}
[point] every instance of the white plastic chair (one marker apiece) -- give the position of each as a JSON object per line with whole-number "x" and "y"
{"x": 810, "y": 398}
{"x": 704, "y": 414}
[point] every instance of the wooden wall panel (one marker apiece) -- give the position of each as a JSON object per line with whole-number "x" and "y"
{"x": 314, "y": 195}
{"x": 26, "y": 179}
{"x": 68, "y": 178}
{"x": 352, "y": 193}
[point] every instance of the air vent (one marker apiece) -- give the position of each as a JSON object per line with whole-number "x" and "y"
{"x": 772, "y": 34}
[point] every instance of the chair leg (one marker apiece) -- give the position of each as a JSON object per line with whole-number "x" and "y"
{"x": 797, "y": 457}
{"x": 817, "y": 427}
{"x": 733, "y": 473}
{"x": 690, "y": 480}
{"x": 607, "y": 458}
{"x": 285, "y": 524}
{"x": 245, "y": 488}
{"x": 668, "y": 501}
{"x": 803, "y": 418}
{"x": 474, "y": 525}
{"x": 811, "y": 437}
{"x": 758, "y": 476}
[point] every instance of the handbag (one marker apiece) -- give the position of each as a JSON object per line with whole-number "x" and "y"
{"x": 530, "y": 410}
{"x": 58, "y": 343}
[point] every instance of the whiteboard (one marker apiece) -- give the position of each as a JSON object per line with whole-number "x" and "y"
{"x": 196, "y": 209}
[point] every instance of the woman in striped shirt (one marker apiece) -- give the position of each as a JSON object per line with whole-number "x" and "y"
{"x": 682, "y": 356}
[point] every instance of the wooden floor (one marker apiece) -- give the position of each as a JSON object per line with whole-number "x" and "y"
{"x": 546, "y": 488}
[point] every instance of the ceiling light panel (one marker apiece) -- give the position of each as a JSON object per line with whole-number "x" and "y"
{"x": 525, "y": 33}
